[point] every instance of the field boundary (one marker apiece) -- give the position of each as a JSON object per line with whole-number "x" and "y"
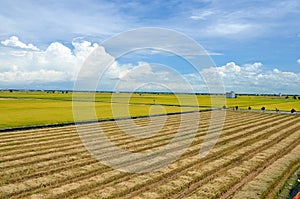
{"x": 12, "y": 129}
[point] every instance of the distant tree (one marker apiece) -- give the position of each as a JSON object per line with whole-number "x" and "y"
{"x": 10, "y": 91}
{"x": 249, "y": 108}
{"x": 293, "y": 111}
{"x": 263, "y": 108}
{"x": 236, "y": 108}
{"x": 63, "y": 92}
{"x": 67, "y": 92}
{"x": 298, "y": 97}
{"x": 224, "y": 107}
{"x": 295, "y": 97}
{"x": 286, "y": 97}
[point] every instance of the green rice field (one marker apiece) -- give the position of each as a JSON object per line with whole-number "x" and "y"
{"x": 27, "y": 108}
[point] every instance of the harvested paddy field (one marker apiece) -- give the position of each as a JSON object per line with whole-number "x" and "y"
{"x": 253, "y": 157}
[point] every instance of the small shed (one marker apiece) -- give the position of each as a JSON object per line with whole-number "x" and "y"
{"x": 230, "y": 94}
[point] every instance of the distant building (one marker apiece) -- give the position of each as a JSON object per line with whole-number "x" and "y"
{"x": 230, "y": 94}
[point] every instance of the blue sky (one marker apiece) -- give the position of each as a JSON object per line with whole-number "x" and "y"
{"x": 254, "y": 44}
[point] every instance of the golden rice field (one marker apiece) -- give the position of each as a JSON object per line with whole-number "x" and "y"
{"x": 254, "y": 155}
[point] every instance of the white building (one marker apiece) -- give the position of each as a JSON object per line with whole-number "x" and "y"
{"x": 230, "y": 94}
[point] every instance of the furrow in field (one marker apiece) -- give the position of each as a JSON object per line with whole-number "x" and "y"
{"x": 274, "y": 188}
{"x": 56, "y": 165}
{"x": 40, "y": 133}
{"x": 75, "y": 178}
{"x": 158, "y": 143}
{"x": 248, "y": 168}
{"x": 16, "y": 137}
{"x": 51, "y": 148}
{"x": 270, "y": 180}
{"x": 44, "y": 168}
{"x": 25, "y": 188}
{"x": 167, "y": 189}
{"x": 111, "y": 153}
{"x": 154, "y": 185}
{"x": 107, "y": 126}
{"x": 51, "y": 138}
{"x": 145, "y": 145}
{"x": 159, "y": 177}
{"x": 23, "y": 135}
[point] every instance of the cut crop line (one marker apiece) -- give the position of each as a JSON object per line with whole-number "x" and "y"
{"x": 88, "y": 156}
{"x": 223, "y": 153}
{"x": 163, "y": 177}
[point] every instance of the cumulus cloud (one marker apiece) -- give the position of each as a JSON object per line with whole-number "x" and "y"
{"x": 247, "y": 78}
{"x": 153, "y": 77}
{"x": 229, "y": 68}
{"x": 298, "y": 61}
{"x": 253, "y": 78}
{"x": 14, "y": 41}
{"x": 83, "y": 48}
{"x": 23, "y": 67}
{"x": 117, "y": 71}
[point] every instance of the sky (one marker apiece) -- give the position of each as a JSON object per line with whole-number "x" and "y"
{"x": 255, "y": 45}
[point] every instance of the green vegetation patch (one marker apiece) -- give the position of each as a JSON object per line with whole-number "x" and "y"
{"x": 28, "y": 108}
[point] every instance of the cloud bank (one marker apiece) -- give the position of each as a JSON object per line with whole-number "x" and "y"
{"x": 25, "y": 65}
{"x": 253, "y": 78}
{"x": 28, "y": 67}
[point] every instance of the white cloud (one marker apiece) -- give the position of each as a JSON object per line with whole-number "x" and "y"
{"x": 255, "y": 67}
{"x": 298, "y": 61}
{"x": 29, "y": 77}
{"x": 202, "y": 15}
{"x": 248, "y": 78}
{"x": 229, "y": 29}
{"x": 24, "y": 67}
{"x": 253, "y": 78}
{"x": 83, "y": 48}
{"x": 57, "y": 63}
{"x": 230, "y": 67}
{"x": 153, "y": 77}
{"x": 117, "y": 71}
{"x": 14, "y": 41}
{"x": 276, "y": 71}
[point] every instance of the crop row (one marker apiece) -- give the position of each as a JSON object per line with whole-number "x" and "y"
{"x": 159, "y": 177}
{"x": 53, "y": 163}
